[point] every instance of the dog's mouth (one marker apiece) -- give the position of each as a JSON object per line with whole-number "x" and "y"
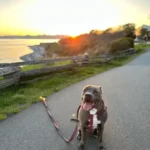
{"x": 87, "y": 106}
{"x": 88, "y": 103}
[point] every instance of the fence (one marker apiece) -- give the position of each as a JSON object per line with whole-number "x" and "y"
{"x": 8, "y": 82}
{"x": 37, "y": 62}
{"x": 13, "y": 77}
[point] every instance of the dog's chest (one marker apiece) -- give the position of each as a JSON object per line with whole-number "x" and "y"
{"x": 93, "y": 121}
{"x": 89, "y": 118}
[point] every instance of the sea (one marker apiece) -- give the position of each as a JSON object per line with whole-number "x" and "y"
{"x": 12, "y": 49}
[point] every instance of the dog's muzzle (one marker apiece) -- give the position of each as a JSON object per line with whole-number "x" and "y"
{"x": 88, "y": 102}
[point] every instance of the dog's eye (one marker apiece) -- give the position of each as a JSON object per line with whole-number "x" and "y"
{"x": 95, "y": 91}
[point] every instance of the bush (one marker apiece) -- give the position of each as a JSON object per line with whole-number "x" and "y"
{"x": 131, "y": 40}
{"x": 121, "y": 44}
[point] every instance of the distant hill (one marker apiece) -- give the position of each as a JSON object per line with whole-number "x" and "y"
{"x": 34, "y": 37}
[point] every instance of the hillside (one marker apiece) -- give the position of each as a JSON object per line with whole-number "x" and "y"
{"x": 95, "y": 42}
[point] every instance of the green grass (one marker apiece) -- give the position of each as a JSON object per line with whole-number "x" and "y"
{"x": 140, "y": 47}
{"x": 1, "y": 78}
{"x": 31, "y": 67}
{"x": 38, "y": 66}
{"x": 14, "y": 99}
{"x": 65, "y": 62}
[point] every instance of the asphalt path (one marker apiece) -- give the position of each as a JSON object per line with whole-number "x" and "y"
{"x": 126, "y": 92}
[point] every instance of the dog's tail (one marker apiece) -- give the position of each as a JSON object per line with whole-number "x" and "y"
{"x": 73, "y": 119}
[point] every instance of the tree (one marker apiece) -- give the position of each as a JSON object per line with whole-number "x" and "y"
{"x": 129, "y": 30}
{"x": 96, "y": 31}
{"x": 108, "y": 30}
{"x": 140, "y": 31}
{"x": 144, "y": 31}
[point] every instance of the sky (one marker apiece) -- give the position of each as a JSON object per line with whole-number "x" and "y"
{"x": 71, "y": 17}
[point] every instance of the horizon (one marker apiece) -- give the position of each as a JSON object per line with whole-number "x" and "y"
{"x": 47, "y": 17}
{"x": 33, "y": 35}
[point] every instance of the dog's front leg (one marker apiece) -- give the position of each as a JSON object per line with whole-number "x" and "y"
{"x": 79, "y": 134}
{"x": 100, "y": 132}
{"x": 83, "y": 135}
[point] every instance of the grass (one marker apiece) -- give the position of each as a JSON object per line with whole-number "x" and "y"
{"x": 140, "y": 47}
{"x": 31, "y": 67}
{"x": 38, "y": 66}
{"x": 1, "y": 78}
{"x": 62, "y": 63}
{"x": 14, "y": 99}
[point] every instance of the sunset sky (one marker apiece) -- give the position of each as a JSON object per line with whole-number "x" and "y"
{"x": 22, "y": 17}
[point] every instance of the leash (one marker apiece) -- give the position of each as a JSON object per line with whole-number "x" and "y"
{"x": 55, "y": 124}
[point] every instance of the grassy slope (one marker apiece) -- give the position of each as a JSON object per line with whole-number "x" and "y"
{"x": 14, "y": 99}
{"x": 1, "y": 78}
{"x": 38, "y": 66}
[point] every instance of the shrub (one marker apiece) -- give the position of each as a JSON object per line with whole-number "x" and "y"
{"x": 121, "y": 44}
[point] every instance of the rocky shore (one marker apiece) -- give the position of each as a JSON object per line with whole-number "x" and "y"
{"x": 37, "y": 53}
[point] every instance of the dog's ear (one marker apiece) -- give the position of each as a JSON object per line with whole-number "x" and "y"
{"x": 85, "y": 88}
{"x": 100, "y": 89}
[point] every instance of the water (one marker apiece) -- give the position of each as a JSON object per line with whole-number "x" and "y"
{"x": 12, "y": 49}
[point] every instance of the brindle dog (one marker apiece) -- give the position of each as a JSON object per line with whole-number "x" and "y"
{"x": 91, "y": 96}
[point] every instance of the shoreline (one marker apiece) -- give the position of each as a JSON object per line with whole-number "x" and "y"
{"x": 26, "y": 50}
{"x": 37, "y": 53}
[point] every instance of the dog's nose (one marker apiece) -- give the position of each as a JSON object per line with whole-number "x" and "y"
{"x": 87, "y": 95}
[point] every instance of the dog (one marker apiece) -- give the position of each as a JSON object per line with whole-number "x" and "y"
{"x": 91, "y": 98}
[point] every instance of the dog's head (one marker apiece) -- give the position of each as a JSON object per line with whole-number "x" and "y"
{"x": 91, "y": 94}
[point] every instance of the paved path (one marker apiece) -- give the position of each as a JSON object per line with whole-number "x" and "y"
{"x": 126, "y": 91}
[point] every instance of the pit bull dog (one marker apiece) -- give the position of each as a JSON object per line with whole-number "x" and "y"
{"x": 91, "y": 98}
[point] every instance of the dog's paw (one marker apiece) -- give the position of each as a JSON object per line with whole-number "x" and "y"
{"x": 95, "y": 136}
{"x": 101, "y": 148}
{"x": 79, "y": 135}
{"x": 81, "y": 146}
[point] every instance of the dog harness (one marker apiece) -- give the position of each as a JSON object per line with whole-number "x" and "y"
{"x": 92, "y": 116}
